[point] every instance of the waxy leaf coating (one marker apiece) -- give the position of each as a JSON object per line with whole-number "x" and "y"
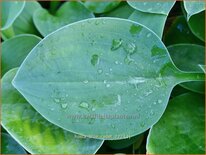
{"x": 99, "y": 79}
{"x": 33, "y": 132}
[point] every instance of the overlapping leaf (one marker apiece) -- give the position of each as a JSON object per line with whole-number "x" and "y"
{"x": 69, "y": 12}
{"x": 15, "y": 50}
{"x": 181, "y": 130}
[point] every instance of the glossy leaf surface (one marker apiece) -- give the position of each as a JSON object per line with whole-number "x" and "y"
{"x": 181, "y": 128}
{"x": 33, "y": 132}
{"x": 115, "y": 70}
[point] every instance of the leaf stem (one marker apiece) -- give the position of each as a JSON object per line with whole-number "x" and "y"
{"x": 189, "y": 76}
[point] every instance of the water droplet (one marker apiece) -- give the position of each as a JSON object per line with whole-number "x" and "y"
{"x": 100, "y": 71}
{"x": 159, "y": 101}
{"x": 85, "y": 81}
{"x": 155, "y": 103}
{"x": 110, "y": 69}
{"x": 84, "y": 105}
{"x": 145, "y": 3}
{"x": 148, "y": 35}
{"x": 130, "y": 48}
{"x": 52, "y": 109}
{"x": 93, "y": 109}
{"x": 95, "y": 60}
{"x": 136, "y": 80}
{"x": 113, "y": 126}
{"x": 107, "y": 85}
{"x": 135, "y": 29}
{"x": 148, "y": 93}
{"x": 57, "y": 100}
{"x": 116, "y": 44}
{"x": 128, "y": 59}
{"x": 96, "y": 22}
{"x": 152, "y": 113}
{"x": 142, "y": 124}
{"x": 116, "y": 62}
{"x": 157, "y": 51}
{"x": 105, "y": 81}
{"x": 64, "y": 105}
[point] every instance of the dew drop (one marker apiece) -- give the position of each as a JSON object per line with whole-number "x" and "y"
{"x": 107, "y": 85}
{"x": 148, "y": 35}
{"x": 84, "y": 105}
{"x": 116, "y": 44}
{"x": 113, "y": 126}
{"x": 130, "y": 48}
{"x": 93, "y": 109}
{"x": 159, "y": 101}
{"x": 104, "y": 81}
{"x": 95, "y": 60}
{"x": 134, "y": 29}
{"x": 155, "y": 103}
{"x": 99, "y": 71}
{"x": 116, "y": 62}
{"x": 85, "y": 81}
{"x": 148, "y": 93}
{"x": 64, "y": 105}
{"x": 142, "y": 124}
{"x": 57, "y": 100}
{"x": 52, "y": 109}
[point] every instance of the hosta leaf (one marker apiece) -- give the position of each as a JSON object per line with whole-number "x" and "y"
{"x": 33, "y": 132}
{"x": 69, "y": 12}
{"x": 121, "y": 144}
{"x": 193, "y": 7}
{"x": 179, "y": 32}
{"x": 153, "y": 7}
{"x": 97, "y": 67}
{"x": 191, "y": 56}
{"x": 24, "y": 23}
{"x": 197, "y": 25}
{"x": 15, "y": 50}
{"x": 122, "y": 11}
{"x": 181, "y": 128}
{"x": 101, "y": 7}
{"x": 10, "y": 146}
{"x": 10, "y": 11}
{"x": 155, "y": 22}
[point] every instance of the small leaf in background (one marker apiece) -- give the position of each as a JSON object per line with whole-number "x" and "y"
{"x": 179, "y": 32}
{"x": 10, "y": 146}
{"x": 68, "y": 13}
{"x": 24, "y": 22}
{"x": 33, "y": 132}
{"x": 181, "y": 130}
{"x": 193, "y": 7}
{"x": 15, "y": 50}
{"x": 115, "y": 70}
{"x": 122, "y": 11}
{"x": 153, "y": 7}
{"x": 191, "y": 56}
{"x": 197, "y": 25}
{"x": 101, "y": 7}
{"x": 155, "y": 22}
{"x": 10, "y": 11}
